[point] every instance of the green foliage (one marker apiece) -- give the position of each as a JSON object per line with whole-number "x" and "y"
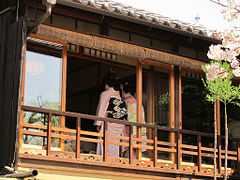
{"x": 222, "y": 89}
{"x": 163, "y": 99}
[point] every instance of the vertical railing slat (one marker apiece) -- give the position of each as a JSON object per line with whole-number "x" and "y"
{"x": 105, "y": 141}
{"x": 179, "y": 150}
{"x": 49, "y": 131}
{"x": 199, "y": 152}
{"x": 238, "y": 157}
{"x": 130, "y": 144}
{"x": 78, "y": 143}
{"x": 155, "y": 146}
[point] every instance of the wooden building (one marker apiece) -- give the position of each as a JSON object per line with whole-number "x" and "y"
{"x": 64, "y": 63}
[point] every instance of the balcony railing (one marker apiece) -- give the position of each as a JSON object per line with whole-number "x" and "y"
{"x": 191, "y": 152}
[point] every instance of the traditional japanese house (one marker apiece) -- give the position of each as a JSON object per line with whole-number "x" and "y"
{"x": 64, "y": 62}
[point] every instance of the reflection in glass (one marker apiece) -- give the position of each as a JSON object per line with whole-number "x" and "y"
{"x": 43, "y": 76}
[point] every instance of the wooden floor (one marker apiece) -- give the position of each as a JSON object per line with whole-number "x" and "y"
{"x": 47, "y": 173}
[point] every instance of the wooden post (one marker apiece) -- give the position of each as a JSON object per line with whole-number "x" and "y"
{"x": 171, "y": 123}
{"x": 78, "y": 143}
{"x": 49, "y": 132}
{"x": 139, "y": 101}
{"x": 63, "y": 91}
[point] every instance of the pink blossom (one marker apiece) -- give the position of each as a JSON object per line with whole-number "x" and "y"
{"x": 236, "y": 72}
{"x": 230, "y": 55}
{"x": 235, "y": 64}
{"x": 219, "y": 53}
{"x": 216, "y": 52}
{"x": 214, "y": 71}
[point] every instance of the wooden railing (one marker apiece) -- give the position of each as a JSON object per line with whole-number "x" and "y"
{"x": 193, "y": 151}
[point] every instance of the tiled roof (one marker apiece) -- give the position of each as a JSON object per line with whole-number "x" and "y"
{"x": 138, "y": 15}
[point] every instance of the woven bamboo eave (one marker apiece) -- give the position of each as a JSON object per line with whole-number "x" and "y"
{"x": 116, "y": 47}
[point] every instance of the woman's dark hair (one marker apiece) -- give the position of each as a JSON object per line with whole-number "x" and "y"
{"x": 111, "y": 81}
{"x": 127, "y": 88}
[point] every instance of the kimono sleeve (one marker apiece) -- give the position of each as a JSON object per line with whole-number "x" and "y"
{"x": 102, "y": 107}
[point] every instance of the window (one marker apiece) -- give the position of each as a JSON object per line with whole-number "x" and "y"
{"x": 43, "y": 80}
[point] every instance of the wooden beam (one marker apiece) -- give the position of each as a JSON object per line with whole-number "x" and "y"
{"x": 117, "y": 47}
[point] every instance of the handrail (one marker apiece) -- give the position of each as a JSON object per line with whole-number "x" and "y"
{"x": 152, "y": 144}
{"x": 111, "y": 120}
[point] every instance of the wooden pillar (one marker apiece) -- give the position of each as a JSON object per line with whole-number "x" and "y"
{"x": 150, "y": 96}
{"x": 21, "y": 97}
{"x": 63, "y": 90}
{"x": 139, "y": 91}
{"x": 178, "y": 112}
{"x": 171, "y": 122}
{"x": 139, "y": 100}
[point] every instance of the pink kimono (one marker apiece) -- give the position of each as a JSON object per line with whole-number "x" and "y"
{"x": 114, "y": 129}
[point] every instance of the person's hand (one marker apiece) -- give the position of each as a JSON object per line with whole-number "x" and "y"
{"x": 98, "y": 128}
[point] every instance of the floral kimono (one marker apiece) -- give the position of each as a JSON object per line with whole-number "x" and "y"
{"x": 114, "y": 129}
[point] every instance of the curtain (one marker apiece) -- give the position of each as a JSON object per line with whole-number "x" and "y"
{"x": 11, "y": 40}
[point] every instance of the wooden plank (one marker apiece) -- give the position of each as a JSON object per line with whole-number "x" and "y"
{"x": 32, "y": 133}
{"x": 119, "y": 48}
{"x": 49, "y": 137}
{"x": 189, "y": 152}
{"x": 78, "y": 143}
{"x": 164, "y": 143}
{"x": 186, "y": 146}
{"x": 34, "y": 126}
{"x": 167, "y": 150}
{"x": 49, "y": 39}
{"x": 85, "y": 139}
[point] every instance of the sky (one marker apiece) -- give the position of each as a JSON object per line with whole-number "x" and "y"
{"x": 42, "y": 80}
{"x": 184, "y": 10}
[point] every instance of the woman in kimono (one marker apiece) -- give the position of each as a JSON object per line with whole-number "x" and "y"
{"x": 131, "y": 103}
{"x": 111, "y": 105}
